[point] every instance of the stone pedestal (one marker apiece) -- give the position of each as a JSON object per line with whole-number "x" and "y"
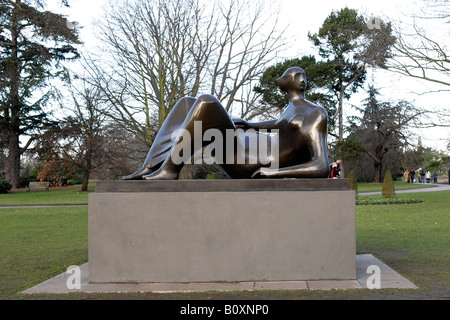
{"x": 222, "y": 231}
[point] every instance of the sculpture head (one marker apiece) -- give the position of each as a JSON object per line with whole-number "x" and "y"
{"x": 293, "y": 78}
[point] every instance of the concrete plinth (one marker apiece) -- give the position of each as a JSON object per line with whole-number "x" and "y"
{"x": 211, "y": 235}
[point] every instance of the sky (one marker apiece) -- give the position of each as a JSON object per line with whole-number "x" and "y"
{"x": 302, "y": 17}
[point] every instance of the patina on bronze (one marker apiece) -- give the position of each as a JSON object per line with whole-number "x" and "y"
{"x": 302, "y": 136}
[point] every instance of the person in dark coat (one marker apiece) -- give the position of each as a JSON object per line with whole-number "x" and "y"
{"x": 411, "y": 175}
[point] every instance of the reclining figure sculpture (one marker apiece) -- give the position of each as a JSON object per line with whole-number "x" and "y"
{"x": 299, "y": 149}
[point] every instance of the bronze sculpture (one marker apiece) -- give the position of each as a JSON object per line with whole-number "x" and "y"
{"x": 302, "y": 136}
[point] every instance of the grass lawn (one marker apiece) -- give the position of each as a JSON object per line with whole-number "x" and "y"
{"x": 398, "y": 185}
{"x": 39, "y": 243}
{"x": 413, "y": 239}
{"x": 52, "y": 197}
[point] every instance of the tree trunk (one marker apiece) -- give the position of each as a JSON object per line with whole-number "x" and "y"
{"x": 87, "y": 167}
{"x": 12, "y": 164}
{"x": 377, "y": 166}
{"x": 341, "y": 126}
{"x": 341, "y": 116}
{"x": 84, "y": 187}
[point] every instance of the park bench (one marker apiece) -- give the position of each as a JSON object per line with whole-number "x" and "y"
{"x": 38, "y": 186}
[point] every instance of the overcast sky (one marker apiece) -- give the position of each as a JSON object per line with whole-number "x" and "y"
{"x": 307, "y": 16}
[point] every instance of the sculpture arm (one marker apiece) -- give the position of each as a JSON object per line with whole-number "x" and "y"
{"x": 243, "y": 124}
{"x": 318, "y": 166}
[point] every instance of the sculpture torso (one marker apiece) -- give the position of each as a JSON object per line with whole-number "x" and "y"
{"x": 296, "y": 128}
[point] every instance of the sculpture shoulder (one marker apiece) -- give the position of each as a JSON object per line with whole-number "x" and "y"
{"x": 311, "y": 115}
{"x": 319, "y": 112}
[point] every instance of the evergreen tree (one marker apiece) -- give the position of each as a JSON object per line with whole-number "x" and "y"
{"x": 388, "y": 190}
{"x": 345, "y": 41}
{"x": 318, "y": 75}
{"x": 382, "y": 129}
{"x": 353, "y": 181}
{"x": 33, "y": 42}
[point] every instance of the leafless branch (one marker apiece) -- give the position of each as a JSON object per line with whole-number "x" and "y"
{"x": 155, "y": 52}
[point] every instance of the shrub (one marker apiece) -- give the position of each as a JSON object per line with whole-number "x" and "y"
{"x": 388, "y": 190}
{"x": 5, "y": 186}
{"x": 25, "y": 180}
{"x": 353, "y": 181}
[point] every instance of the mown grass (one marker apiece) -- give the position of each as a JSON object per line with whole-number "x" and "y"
{"x": 74, "y": 196}
{"x": 52, "y": 197}
{"x": 398, "y": 185}
{"x": 413, "y": 239}
{"x": 39, "y": 243}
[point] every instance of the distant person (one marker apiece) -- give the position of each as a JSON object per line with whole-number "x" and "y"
{"x": 435, "y": 177}
{"x": 406, "y": 174}
{"x": 428, "y": 176}
{"x": 422, "y": 176}
{"x": 339, "y": 168}
{"x": 335, "y": 169}
{"x": 411, "y": 175}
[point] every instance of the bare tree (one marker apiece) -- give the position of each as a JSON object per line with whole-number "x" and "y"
{"x": 77, "y": 142}
{"x": 419, "y": 55}
{"x": 85, "y": 142}
{"x": 155, "y": 52}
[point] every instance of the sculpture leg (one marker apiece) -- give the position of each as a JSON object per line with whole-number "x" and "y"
{"x": 212, "y": 114}
{"x": 163, "y": 143}
{"x": 138, "y": 174}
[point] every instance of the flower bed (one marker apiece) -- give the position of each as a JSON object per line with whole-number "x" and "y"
{"x": 386, "y": 201}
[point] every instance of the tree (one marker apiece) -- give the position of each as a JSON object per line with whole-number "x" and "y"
{"x": 353, "y": 181}
{"x": 422, "y": 55}
{"x": 351, "y": 47}
{"x": 273, "y": 100}
{"x": 382, "y": 127}
{"x": 33, "y": 42}
{"x": 160, "y": 51}
{"x": 85, "y": 131}
{"x": 419, "y": 156}
{"x": 388, "y": 190}
{"x": 419, "y": 55}
{"x": 78, "y": 141}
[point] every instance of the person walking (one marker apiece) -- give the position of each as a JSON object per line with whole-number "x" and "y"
{"x": 428, "y": 176}
{"x": 406, "y": 174}
{"x": 422, "y": 176}
{"x": 411, "y": 175}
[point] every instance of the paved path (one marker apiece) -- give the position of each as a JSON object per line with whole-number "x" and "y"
{"x": 389, "y": 279}
{"x": 438, "y": 187}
